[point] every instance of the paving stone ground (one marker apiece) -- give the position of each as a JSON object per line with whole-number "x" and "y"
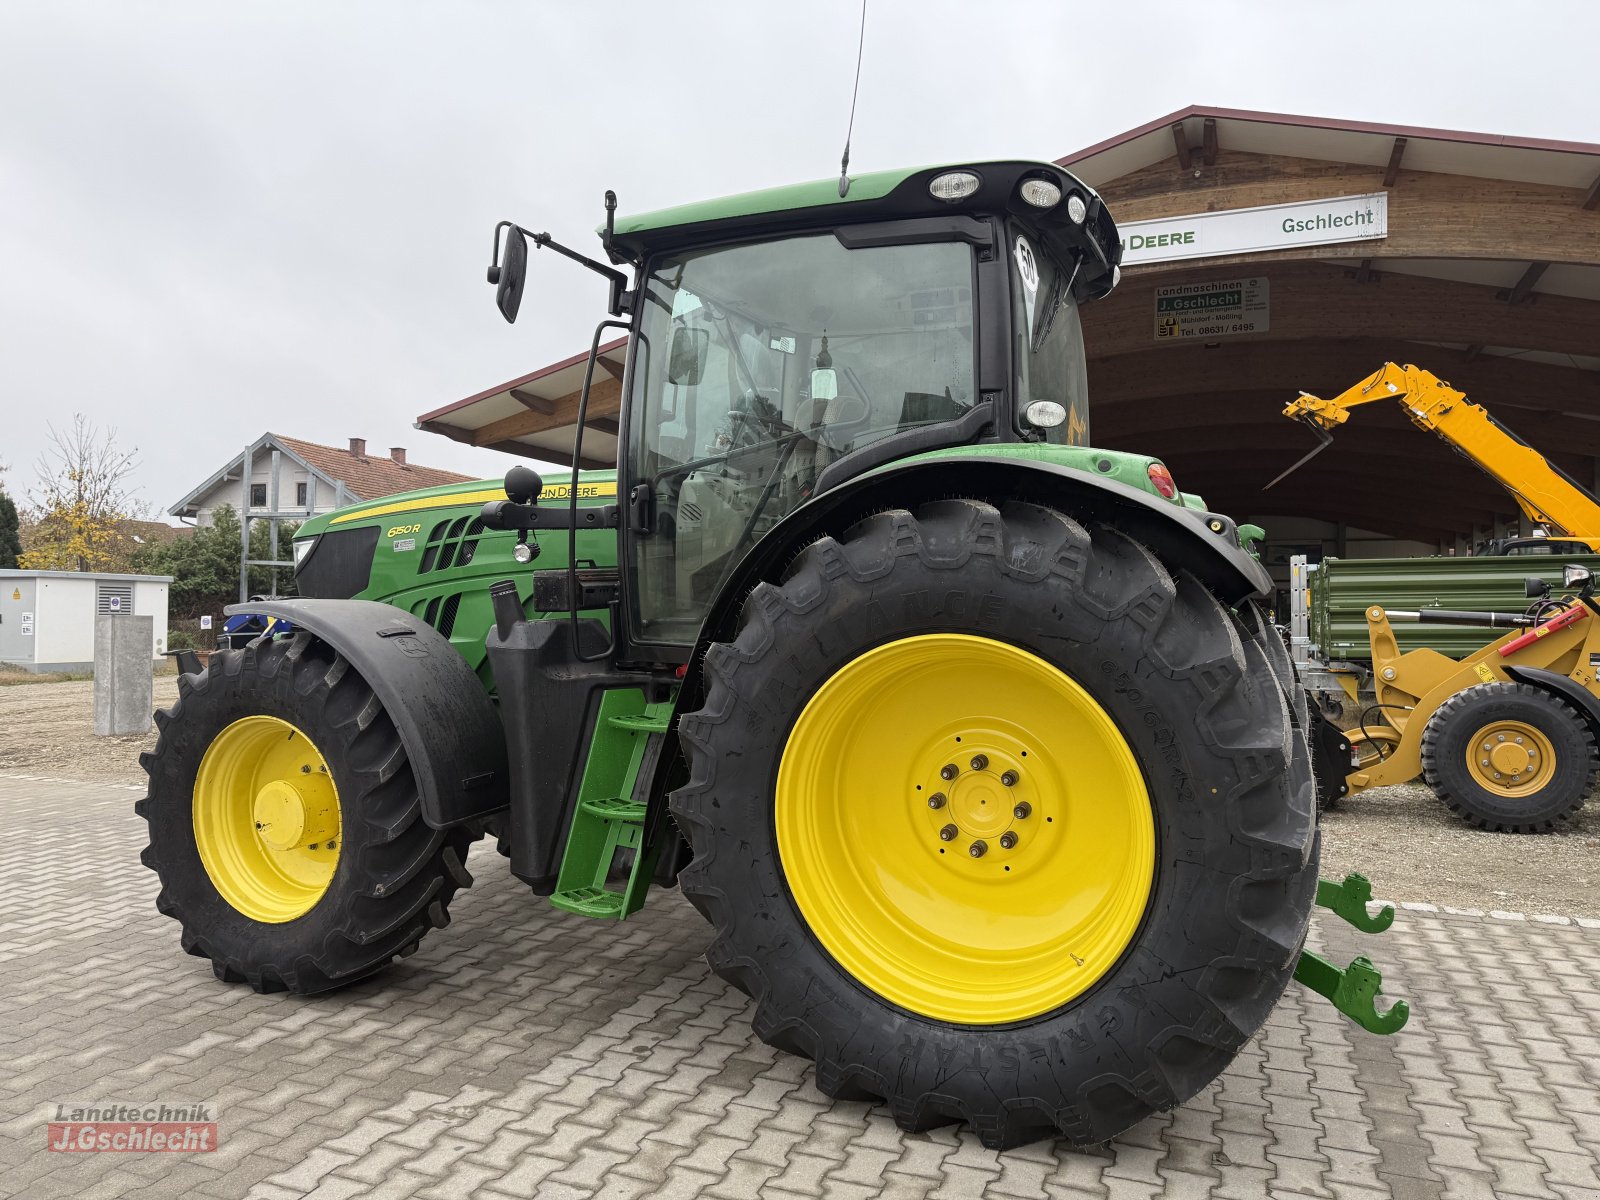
{"x": 527, "y": 1052}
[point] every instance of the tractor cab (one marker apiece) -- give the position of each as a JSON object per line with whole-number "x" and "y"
{"x": 784, "y": 342}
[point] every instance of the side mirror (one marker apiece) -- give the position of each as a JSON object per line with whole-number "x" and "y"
{"x": 686, "y": 358}
{"x": 1573, "y": 574}
{"x": 511, "y": 271}
{"x": 1533, "y": 587}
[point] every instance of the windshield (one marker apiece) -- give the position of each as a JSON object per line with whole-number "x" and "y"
{"x": 1049, "y": 340}
{"x": 758, "y": 366}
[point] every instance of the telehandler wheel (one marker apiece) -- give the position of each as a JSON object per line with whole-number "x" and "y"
{"x": 285, "y": 823}
{"x": 999, "y": 820}
{"x": 1509, "y": 757}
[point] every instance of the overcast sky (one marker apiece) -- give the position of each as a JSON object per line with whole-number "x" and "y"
{"x": 219, "y": 219}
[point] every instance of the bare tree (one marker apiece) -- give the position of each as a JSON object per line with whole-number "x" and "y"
{"x": 82, "y": 502}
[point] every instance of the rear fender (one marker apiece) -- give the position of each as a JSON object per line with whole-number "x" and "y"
{"x": 450, "y": 728}
{"x": 1205, "y": 543}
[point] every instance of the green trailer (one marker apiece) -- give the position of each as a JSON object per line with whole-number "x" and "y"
{"x": 971, "y": 741}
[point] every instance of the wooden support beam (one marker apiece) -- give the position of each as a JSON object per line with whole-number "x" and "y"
{"x": 1208, "y": 141}
{"x": 1592, "y": 199}
{"x": 604, "y": 424}
{"x": 1524, "y": 286}
{"x": 610, "y": 368}
{"x": 454, "y": 432}
{"x": 1180, "y": 139}
{"x": 533, "y": 403}
{"x": 1392, "y": 171}
{"x": 605, "y": 399}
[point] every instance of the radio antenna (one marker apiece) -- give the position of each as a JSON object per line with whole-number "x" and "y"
{"x": 844, "y": 163}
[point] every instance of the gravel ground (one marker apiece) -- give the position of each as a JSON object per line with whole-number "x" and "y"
{"x": 48, "y": 729}
{"x": 1401, "y": 838}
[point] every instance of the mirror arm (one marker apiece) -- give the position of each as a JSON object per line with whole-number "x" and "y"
{"x": 619, "y": 282}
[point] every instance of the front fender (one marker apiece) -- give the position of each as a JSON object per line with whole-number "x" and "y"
{"x": 1206, "y": 544}
{"x": 450, "y": 728}
{"x": 1563, "y": 687}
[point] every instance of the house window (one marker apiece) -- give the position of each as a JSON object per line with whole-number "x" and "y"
{"x": 258, "y": 495}
{"x": 300, "y": 495}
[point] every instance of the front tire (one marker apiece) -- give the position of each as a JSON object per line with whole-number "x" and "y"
{"x": 1508, "y": 757}
{"x": 285, "y": 823}
{"x": 1147, "y": 923}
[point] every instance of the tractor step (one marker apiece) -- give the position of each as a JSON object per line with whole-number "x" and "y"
{"x": 614, "y": 808}
{"x": 604, "y": 872}
{"x": 592, "y": 902}
{"x": 643, "y": 722}
{"x": 1354, "y": 990}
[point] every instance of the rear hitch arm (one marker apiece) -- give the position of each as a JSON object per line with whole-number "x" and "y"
{"x": 1355, "y": 989}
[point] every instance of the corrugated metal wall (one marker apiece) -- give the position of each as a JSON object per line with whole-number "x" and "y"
{"x": 1341, "y": 589}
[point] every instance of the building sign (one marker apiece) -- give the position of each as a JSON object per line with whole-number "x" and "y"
{"x": 1220, "y": 308}
{"x": 1248, "y": 230}
{"x": 27, "y": 624}
{"x": 205, "y": 622}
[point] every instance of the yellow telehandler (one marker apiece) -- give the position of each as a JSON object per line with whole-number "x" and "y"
{"x": 1506, "y": 736}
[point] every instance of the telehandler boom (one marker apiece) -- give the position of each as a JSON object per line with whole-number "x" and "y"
{"x": 1547, "y": 496}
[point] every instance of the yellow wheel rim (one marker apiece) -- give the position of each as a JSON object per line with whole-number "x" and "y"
{"x": 964, "y": 829}
{"x": 1511, "y": 758}
{"x": 266, "y": 819}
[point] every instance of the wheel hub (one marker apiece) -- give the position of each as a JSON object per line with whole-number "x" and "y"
{"x": 979, "y": 802}
{"x": 1511, "y": 758}
{"x": 286, "y": 818}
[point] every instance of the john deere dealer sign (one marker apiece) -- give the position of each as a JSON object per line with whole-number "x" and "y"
{"x": 1220, "y": 308}
{"x": 1251, "y": 230}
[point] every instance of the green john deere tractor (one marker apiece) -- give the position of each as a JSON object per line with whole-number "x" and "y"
{"x": 971, "y": 741}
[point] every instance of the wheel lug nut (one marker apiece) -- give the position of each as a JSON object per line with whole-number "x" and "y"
{"x": 1007, "y": 840}
{"x": 306, "y": 770}
{"x": 948, "y": 833}
{"x": 1484, "y": 761}
{"x": 1022, "y": 811}
{"x": 936, "y": 800}
{"x": 978, "y": 849}
{"x": 1009, "y": 779}
{"x": 980, "y": 761}
{"x": 949, "y": 771}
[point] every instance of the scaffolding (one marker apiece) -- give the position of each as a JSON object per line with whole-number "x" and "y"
{"x": 274, "y": 513}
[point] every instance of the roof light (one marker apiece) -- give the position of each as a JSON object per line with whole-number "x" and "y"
{"x": 954, "y": 185}
{"x": 1041, "y": 193}
{"x": 1076, "y": 208}
{"x": 1162, "y": 480}
{"x": 1046, "y": 414}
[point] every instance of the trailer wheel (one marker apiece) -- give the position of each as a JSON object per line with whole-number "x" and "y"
{"x": 285, "y": 823}
{"x": 1509, "y": 757}
{"x": 998, "y": 820}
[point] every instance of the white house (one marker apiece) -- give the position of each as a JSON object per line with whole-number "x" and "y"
{"x": 295, "y": 479}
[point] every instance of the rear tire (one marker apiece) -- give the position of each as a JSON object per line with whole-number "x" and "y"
{"x": 1467, "y": 761}
{"x": 1188, "y": 690}
{"x": 394, "y": 876}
